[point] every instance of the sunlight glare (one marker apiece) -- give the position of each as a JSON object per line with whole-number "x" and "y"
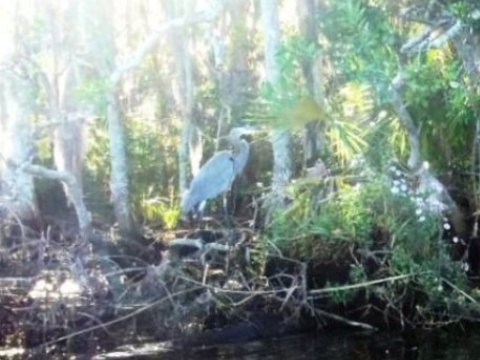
{"x": 47, "y": 290}
{"x": 6, "y": 30}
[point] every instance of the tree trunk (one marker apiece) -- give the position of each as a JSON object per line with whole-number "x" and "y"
{"x": 415, "y": 158}
{"x": 231, "y": 42}
{"x": 119, "y": 183}
{"x": 185, "y": 100}
{"x": 281, "y": 139}
{"x": 69, "y": 138}
{"x": 17, "y": 150}
{"x": 16, "y": 136}
{"x": 69, "y": 148}
{"x": 314, "y": 133}
{"x": 118, "y": 159}
{"x": 184, "y": 95}
{"x": 217, "y": 34}
{"x": 238, "y": 75}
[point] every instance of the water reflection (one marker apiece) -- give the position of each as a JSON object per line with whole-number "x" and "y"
{"x": 343, "y": 346}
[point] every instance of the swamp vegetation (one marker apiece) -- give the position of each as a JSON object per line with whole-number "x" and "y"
{"x": 358, "y": 206}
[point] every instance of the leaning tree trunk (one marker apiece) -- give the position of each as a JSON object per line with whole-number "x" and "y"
{"x": 281, "y": 139}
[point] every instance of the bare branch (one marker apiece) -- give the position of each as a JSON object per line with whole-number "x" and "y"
{"x": 344, "y": 320}
{"x": 414, "y": 160}
{"x": 433, "y": 37}
{"x": 83, "y": 215}
{"x": 152, "y": 40}
{"x": 437, "y": 34}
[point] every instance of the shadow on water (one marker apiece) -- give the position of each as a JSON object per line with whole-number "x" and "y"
{"x": 343, "y": 346}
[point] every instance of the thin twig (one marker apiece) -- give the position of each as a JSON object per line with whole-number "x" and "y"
{"x": 456, "y": 288}
{"x": 360, "y": 285}
{"x": 344, "y": 320}
{"x": 117, "y": 320}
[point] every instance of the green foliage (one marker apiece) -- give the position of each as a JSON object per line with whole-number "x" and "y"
{"x": 424, "y": 83}
{"x": 360, "y": 40}
{"x": 373, "y": 218}
{"x": 358, "y": 274}
{"x": 440, "y": 103}
{"x": 460, "y": 9}
{"x": 97, "y": 168}
{"x": 386, "y": 140}
{"x": 349, "y": 218}
{"x": 98, "y": 164}
{"x": 92, "y": 92}
{"x": 464, "y": 9}
{"x": 151, "y": 154}
{"x": 287, "y": 103}
{"x": 326, "y": 228}
{"x": 346, "y": 138}
{"x": 338, "y": 295}
{"x": 167, "y": 210}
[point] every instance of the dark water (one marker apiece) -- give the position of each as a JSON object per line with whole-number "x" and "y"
{"x": 343, "y": 346}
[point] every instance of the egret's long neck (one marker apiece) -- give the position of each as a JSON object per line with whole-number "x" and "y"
{"x": 241, "y": 152}
{"x": 240, "y": 146}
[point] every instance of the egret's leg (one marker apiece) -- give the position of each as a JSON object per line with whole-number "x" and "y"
{"x": 195, "y": 216}
{"x": 228, "y": 217}
{"x": 199, "y": 214}
{"x": 225, "y": 204}
{"x": 201, "y": 208}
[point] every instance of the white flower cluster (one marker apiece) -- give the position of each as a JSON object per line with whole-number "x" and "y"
{"x": 359, "y": 163}
{"x": 401, "y": 187}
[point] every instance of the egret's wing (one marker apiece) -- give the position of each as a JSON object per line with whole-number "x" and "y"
{"x": 213, "y": 178}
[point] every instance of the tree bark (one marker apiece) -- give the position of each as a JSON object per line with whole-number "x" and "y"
{"x": 17, "y": 186}
{"x": 281, "y": 139}
{"x": 69, "y": 138}
{"x": 184, "y": 95}
{"x": 239, "y": 75}
{"x": 311, "y": 67}
{"x": 16, "y": 110}
{"x": 415, "y": 158}
{"x": 118, "y": 158}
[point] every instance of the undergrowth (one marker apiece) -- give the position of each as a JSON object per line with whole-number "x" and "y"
{"x": 382, "y": 229}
